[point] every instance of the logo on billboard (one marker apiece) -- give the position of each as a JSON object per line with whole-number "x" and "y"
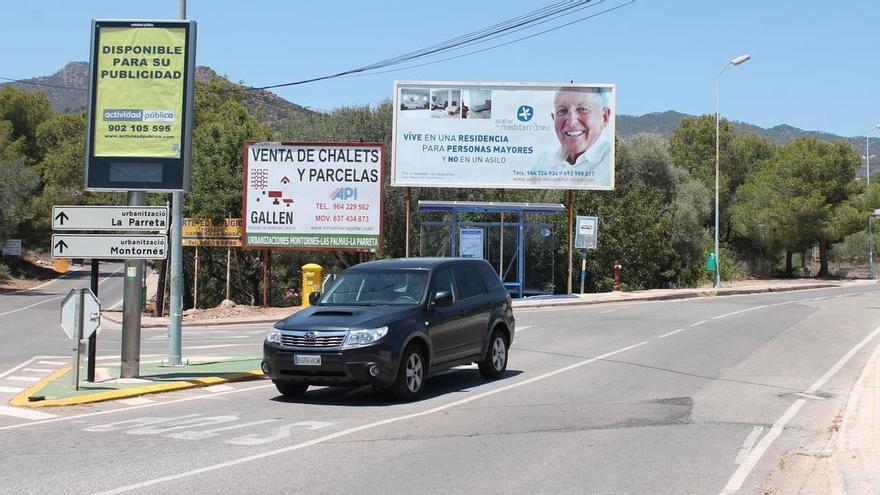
{"x": 525, "y": 113}
{"x": 344, "y": 193}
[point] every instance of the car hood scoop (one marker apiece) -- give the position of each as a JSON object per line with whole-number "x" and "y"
{"x": 345, "y": 317}
{"x": 332, "y": 313}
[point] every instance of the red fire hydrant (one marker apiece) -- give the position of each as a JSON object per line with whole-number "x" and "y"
{"x": 616, "y": 275}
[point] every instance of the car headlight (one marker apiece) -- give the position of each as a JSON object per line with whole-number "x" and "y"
{"x": 273, "y": 336}
{"x": 367, "y": 336}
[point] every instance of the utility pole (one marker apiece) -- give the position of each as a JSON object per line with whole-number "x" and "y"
{"x": 176, "y": 317}
{"x": 132, "y": 293}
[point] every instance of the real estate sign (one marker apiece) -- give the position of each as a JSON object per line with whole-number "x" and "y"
{"x": 503, "y": 135}
{"x": 315, "y": 196}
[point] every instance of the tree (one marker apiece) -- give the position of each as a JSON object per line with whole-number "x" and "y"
{"x": 24, "y": 111}
{"x": 800, "y": 196}
{"x": 18, "y": 183}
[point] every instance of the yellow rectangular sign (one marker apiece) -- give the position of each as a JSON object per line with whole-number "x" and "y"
{"x": 139, "y": 93}
{"x": 206, "y": 233}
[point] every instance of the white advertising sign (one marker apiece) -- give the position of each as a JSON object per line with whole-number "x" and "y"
{"x": 471, "y": 243}
{"x": 316, "y": 196}
{"x": 11, "y": 247}
{"x": 503, "y": 135}
{"x": 585, "y": 232}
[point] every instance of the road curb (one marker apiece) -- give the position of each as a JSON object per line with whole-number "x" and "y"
{"x": 626, "y": 297}
{"x": 21, "y": 400}
{"x": 685, "y": 294}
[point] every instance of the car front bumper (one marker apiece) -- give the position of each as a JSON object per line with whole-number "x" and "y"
{"x": 338, "y": 367}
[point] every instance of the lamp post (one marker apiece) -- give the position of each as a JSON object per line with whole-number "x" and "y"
{"x": 872, "y": 274}
{"x": 735, "y": 61}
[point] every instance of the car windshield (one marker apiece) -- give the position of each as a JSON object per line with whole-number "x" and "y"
{"x": 370, "y": 288}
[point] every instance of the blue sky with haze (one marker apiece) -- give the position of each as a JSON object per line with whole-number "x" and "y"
{"x": 814, "y": 64}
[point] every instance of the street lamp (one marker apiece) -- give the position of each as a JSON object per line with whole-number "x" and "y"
{"x": 735, "y": 61}
{"x": 871, "y": 273}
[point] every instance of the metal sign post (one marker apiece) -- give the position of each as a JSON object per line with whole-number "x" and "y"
{"x": 80, "y": 318}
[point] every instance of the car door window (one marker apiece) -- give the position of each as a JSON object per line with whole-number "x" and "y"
{"x": 443, "y": 282}
{"x": 490, "y": 278}
{"x": 468, "y": 281}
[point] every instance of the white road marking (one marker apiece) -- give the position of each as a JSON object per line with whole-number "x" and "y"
{"x": 11, "y": 390}
{"x": 698, "y": 323}
{"x": 37, "y": 370}
{"x": 31, "y": 306}
{"x": 356, "y": 429}
{"x": 748, "y": 444}
{"x": 126, "y": 409}
{"x": 51, "y": 363}
{"x": 667, "y": 334}
{"x": 63, "y": 275}
{"x": 749, "y": 463}
{"x": 20, "y": 413}
{"x": 523, "y": 329}
{"x": 23, "y": 378}
{"x": 114, "y": 306}
{"x": 743, "y": 311}
{"x": 135, "y": 401}
{"x": 218, "y": 388}
{"x": 809, "y": 396}
{"x": 608, "y": 311}
{"x": 22, "y": 365}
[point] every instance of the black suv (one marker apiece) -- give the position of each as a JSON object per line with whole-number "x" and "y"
{"x": 392, "y": 323}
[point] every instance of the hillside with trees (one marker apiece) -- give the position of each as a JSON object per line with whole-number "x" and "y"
{"x": 778, "y": 201}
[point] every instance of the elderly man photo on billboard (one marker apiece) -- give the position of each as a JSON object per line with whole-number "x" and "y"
{"x": 580, "y": 118}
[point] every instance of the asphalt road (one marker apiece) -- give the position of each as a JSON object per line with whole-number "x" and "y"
{"x": 30, "y": 319}
{"x": 693, "y": 396}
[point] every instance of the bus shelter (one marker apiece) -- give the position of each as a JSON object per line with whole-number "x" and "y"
{"x": 518, "y": 239}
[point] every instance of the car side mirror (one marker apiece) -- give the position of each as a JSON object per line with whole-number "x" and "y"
{"x": 442, "y": 298}
{"x": 313, "y": 297}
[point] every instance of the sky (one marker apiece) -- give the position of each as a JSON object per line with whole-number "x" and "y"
{"x": 813, "y": 63}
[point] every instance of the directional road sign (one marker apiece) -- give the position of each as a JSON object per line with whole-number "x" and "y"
{"x": 91, "y": 313}
{"x": 107, "y": 246}
{"x": 126, "y": 218}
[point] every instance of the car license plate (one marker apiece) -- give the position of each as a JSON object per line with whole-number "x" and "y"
{"x": 306, "y": 360}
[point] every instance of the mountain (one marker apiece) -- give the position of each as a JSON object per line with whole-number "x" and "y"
{"x": 67, "y": 92}
{"x": 665, "y": 123}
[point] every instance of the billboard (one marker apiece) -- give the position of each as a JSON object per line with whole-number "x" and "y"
{"x": 503, "y": 135}
{"x": 315, "y": 196}
{"x": 140, "y": 104}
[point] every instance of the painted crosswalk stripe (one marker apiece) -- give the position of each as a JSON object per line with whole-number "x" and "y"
{"x": 218, "y": 388}
{"x": 11, "y": 390}
{"x": 136, "y": 401}
{"x": 51, "y": 363}
{"x": 24, "y": 378}
{"x": 36, "y": 370}
{"x": 25, "y": 413}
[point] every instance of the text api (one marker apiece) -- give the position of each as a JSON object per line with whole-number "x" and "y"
{"x": 525, "y": 113}
{"x": 344, "y": 193}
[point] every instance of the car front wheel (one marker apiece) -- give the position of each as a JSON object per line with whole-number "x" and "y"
{"x": 495, "y": 362}
{"x": 411, "y": 375}
{"x": 291, "y": 389}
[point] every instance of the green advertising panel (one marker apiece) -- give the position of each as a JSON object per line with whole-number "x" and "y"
{"x": 140, "y": 101}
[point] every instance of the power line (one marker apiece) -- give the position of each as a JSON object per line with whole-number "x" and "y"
{"x": 22, "y": 81}
{"x": 500, "y": 44}
{"x": 505, "y": 28}
{"x": 528, "y": 20}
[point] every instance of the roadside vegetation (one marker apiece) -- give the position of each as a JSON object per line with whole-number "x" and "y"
{"x": 777, "y": 203}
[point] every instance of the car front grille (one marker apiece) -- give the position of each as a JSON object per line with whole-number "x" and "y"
{"x": 313, "y": 340}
